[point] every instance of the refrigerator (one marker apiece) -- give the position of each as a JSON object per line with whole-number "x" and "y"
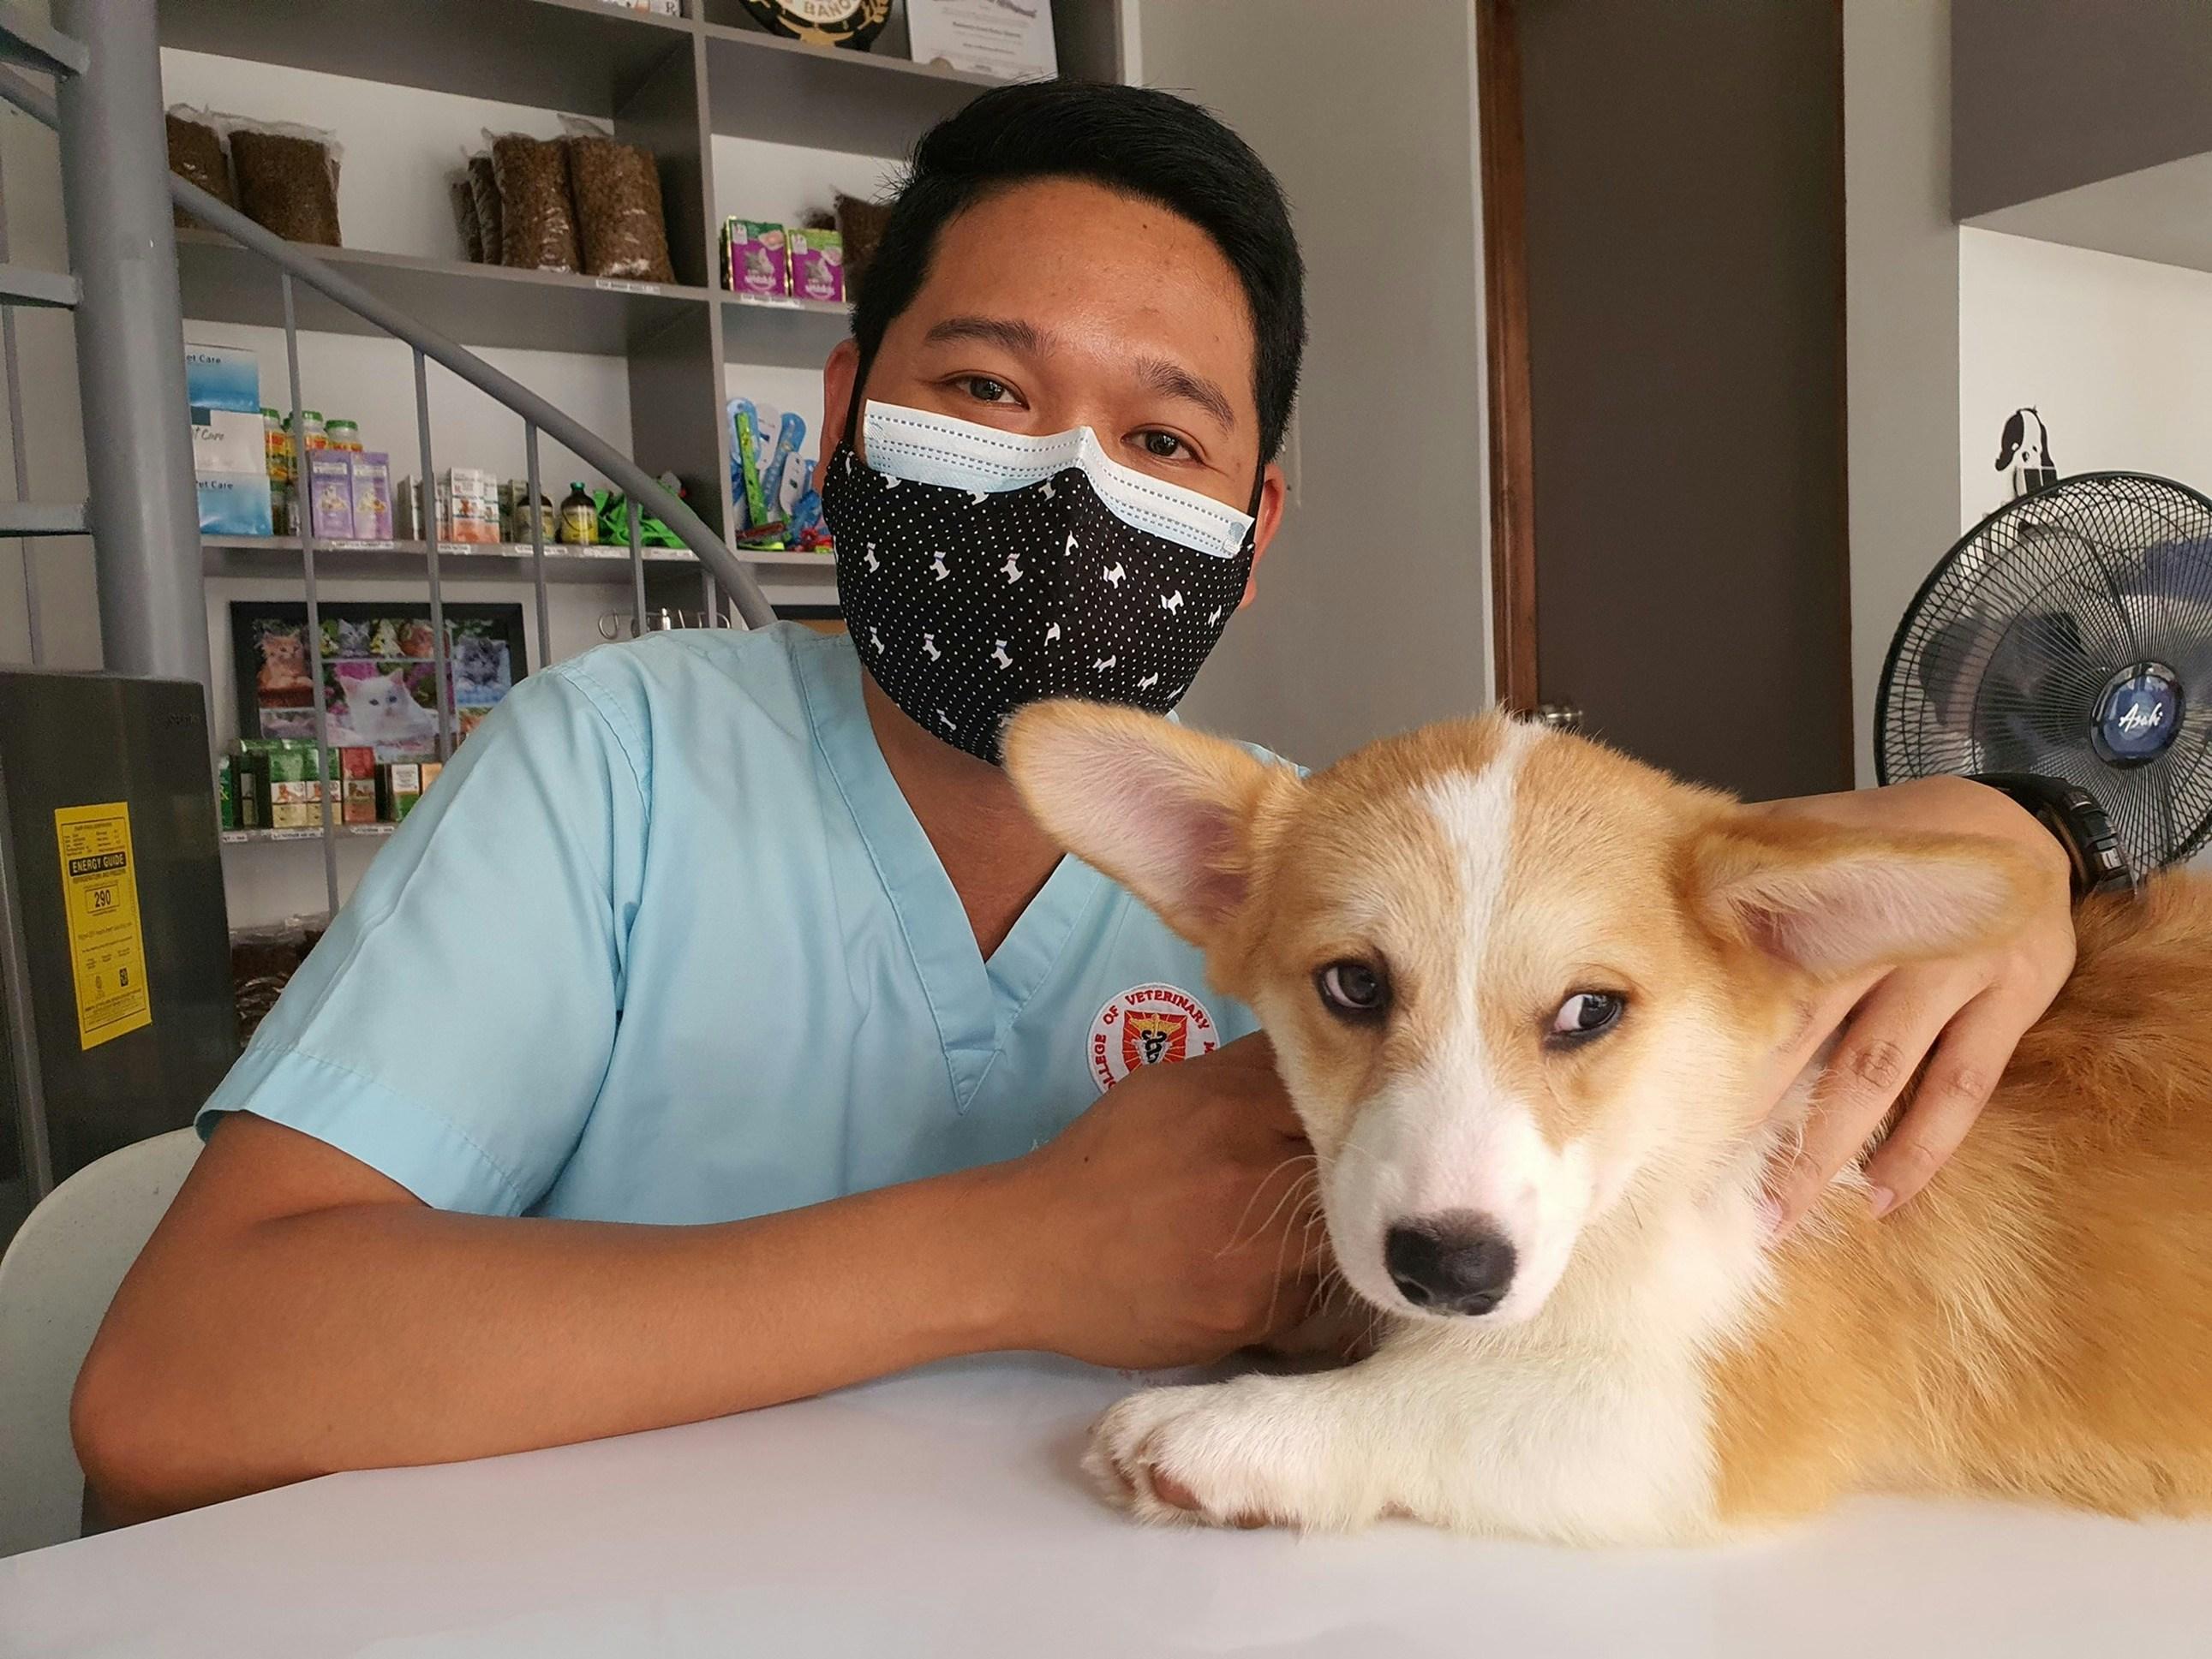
{"x": 117, "y": 1015}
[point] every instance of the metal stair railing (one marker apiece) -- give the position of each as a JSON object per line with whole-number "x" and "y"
{"x": 49, "y": 52}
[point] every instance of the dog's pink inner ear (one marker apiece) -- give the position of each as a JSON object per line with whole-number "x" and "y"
{"x": 1163, "y": 810}
{"x": 1851, "y": 906}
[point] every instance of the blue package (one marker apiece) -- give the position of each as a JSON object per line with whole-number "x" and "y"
{"x": 791, "y": 433}
{"x": 222, "y": 377}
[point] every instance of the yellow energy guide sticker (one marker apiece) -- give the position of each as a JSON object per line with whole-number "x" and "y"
{"x": 99, "y": 895}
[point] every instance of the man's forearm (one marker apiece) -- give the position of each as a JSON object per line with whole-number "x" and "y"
{"x": 380, "y": 1333}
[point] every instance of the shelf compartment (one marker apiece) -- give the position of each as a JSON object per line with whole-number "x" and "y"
{"x": 784, "y": 333}
{"x": 476, "y": 305}
{"x": 762, "y": 85}
{"x": 406, "y": 561}
{"x": 576, "y": 55}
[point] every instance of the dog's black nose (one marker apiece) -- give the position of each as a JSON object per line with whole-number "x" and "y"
{"x": 1457, "y": 1262}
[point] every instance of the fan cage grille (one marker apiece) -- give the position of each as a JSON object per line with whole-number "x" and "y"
{"x": 2002, "y": 659}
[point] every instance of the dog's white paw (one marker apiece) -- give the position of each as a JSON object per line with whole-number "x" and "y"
{"x": 1249, "y": 1453}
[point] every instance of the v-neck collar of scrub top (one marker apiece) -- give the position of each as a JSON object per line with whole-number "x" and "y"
{"x": 974, "y": 1002}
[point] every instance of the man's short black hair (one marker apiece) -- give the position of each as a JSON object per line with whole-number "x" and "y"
{"x": 1132, "y": 139}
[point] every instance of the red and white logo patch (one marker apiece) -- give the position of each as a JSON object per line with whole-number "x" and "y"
{"x": 1148, "y": 1025}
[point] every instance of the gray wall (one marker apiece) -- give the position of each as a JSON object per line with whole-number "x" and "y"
{"x": 1373, "y": 612}
{"x": 1902, "y": 321}
{"x": 2051, "y": 93}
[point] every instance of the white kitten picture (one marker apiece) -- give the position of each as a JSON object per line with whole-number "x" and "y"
{"x": 381, "y": 710}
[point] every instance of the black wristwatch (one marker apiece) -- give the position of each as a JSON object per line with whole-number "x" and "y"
{"x": 2072, "y": 814}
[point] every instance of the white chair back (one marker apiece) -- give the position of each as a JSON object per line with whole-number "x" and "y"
{"x": 56, "y": 1281}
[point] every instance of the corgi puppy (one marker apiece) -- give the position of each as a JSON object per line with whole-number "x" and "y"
{"x": 1521, "y": 989}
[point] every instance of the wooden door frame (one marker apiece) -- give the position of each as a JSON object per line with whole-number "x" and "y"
{"x": 1505, "y": 317}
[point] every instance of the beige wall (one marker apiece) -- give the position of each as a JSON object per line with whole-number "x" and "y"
{"x": 1373, "y": 612}
{"x": 1901, "y": 323}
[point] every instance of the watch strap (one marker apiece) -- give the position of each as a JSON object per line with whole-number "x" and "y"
{"x": 2078, "y": 822}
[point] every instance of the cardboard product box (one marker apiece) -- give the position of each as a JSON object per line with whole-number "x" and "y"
{"x": 398, "y": 787}
{"x": 371, "y": 495}
{"x": 329, "y": 494}
{"x": 235, "y": 504}
{"x": 225, "y": 794}
{"x": 219, "y": 377}
{"x": 356, "y": 770}
{"x": 295, "y": 787}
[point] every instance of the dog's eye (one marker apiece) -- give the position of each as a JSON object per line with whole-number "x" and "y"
{"x": 1587, "y": 1014}
{"x": 1354, "y": 989}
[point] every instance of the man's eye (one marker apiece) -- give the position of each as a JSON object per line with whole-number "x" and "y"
{"x": 985, "y": 389}
{"x": 1163, "y": 445}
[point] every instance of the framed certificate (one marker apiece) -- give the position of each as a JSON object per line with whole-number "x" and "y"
{"x": 1009, "y": 39}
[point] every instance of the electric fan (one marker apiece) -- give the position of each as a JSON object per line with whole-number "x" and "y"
{"x": 2069, "y": 633}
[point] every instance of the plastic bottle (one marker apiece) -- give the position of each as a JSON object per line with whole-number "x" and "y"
{"x": 311, "y": 434}
{"x": 342, "y": 434}
{"x": 579, "y": 518}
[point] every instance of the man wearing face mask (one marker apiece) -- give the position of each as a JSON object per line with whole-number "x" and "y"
{"x": 720, "y": 1030}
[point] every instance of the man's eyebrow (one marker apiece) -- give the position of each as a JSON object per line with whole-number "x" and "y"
{"x": 1009, "y": 332}
{"x": 1173, "y": 381}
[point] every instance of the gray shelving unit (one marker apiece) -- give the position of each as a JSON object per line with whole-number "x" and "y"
{"x": 670, "y": 84}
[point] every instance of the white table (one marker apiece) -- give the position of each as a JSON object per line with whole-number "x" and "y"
{"x": 941, "y": 1513}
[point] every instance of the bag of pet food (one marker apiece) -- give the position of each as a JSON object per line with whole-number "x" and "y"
{"x": 288, "y": 179}
{"x": 538, "y": 228}
{"x": 618, "y": 217}
{"x": 483, "y": 187}
{"x": 196, "y": 154}
{"x": 464, "y": 217}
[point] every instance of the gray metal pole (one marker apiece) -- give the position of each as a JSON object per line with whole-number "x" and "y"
{"x": 144, "y": 501}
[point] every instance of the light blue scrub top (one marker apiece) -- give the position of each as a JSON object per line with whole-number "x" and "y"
{"x": 665, "y": 943}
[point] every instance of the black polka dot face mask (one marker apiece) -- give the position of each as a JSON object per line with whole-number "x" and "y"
{"x": 980, "y": 570}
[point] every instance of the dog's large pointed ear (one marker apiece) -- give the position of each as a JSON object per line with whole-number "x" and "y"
{"x": 1167, "y": 813}
{"x": 1835, "y": 902}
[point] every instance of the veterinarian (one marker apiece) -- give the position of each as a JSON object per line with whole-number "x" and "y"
{"x": 720, "y": 1032}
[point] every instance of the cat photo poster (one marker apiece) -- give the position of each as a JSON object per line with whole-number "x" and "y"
{"x": 379, "y": 671}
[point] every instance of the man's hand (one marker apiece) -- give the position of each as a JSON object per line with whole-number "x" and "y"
{"x": 1960, "y": 1018}
{"x": 1175, "y": 1220}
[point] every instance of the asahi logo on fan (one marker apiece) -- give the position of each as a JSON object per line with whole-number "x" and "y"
{"x": 2145, "y": 715}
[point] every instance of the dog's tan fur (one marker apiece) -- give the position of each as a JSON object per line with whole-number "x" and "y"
{"x": 2038, "y": 1324}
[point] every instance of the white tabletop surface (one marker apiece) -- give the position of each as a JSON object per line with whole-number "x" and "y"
{"x": 941, "y": 1513}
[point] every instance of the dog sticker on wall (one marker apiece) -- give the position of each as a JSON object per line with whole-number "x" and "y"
{"x": 2024, "y": 453}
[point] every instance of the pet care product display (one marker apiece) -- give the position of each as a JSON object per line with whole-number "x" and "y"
{"x": 484, "y": 191}
{"x": 288, "y": 179}
{"x": 467, "y": 506}
{"x": 371, "y": 495}
{"x": 538, "y": 224}
{"x": 312, "y": 434}
{"x": 197, "y": 156}
{"x": 579, "y": 518}
{"x": 754, "y": 259}
{"x": 984, "y": 37}
{"x": 230, "y": 449}
{"x": 817, "y": 264}
{"x": 850, "y": 23}
{"x": 619, "y": 225}
{"x": 329, "y": 494}
{"x": 398, "y": 788}
{"x": 342, "y": 434}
